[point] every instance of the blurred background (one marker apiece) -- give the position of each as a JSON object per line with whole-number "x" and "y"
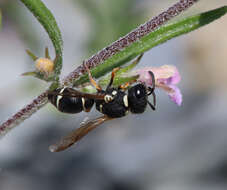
{"x": 179, "y": 148}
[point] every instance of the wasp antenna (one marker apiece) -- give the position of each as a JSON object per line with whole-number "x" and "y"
{"x": 152, "y": 78}
{"x": 154, "y": 98}
{"x": 151, "y": 91}
{"x": 151, "y": 105}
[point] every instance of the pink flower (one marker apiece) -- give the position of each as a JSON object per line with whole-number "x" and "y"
{"x": 166, "y": 78}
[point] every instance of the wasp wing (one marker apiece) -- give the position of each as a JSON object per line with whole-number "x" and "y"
{"x": 70, "y": 92}
{"x": 77, "y": 134}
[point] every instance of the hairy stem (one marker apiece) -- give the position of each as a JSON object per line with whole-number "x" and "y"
{"x": 23, "y": 114}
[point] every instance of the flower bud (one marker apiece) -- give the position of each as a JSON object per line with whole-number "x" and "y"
{"x": 44, "y": 65}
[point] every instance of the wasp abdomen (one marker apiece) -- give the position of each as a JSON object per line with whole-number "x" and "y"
{"x": 68, "y": 104}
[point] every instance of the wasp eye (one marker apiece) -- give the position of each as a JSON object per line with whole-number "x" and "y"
{"x": 137, "y": 97}
{"x": 138, "y": 93}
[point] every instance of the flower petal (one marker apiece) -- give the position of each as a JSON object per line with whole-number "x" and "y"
{"x": 163, "y": 72}
{"x": 175, "y": 78}
{"x": 166, "y": 74}
{"x": 166, "y": 78}
{"x": 175, "y": 95}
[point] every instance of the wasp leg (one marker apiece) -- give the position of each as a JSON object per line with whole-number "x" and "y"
{"x": 151, "y": 91}
{"x": 153, "y": 106}
{"x": 112, "y": 76}
{"x": 124, "y": 86}
{"x": 127, "y": 84}
{"x": 92, "y": 81}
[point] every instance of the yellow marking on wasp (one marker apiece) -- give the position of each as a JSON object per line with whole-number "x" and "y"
{"x": 100, "y": 107}
{"x": 83, "y": 104}
{"x": 59, "y": 97}
{"x": 108, "y": 98}
{"x": 125, "y": 100}
{"x": 114, "y": 92}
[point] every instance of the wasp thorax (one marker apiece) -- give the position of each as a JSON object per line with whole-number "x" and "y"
{"x": 44, "y": 65}
{"x": 137, "y": 98}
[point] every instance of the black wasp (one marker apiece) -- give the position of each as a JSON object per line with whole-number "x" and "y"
{"x": 112, "y": 102}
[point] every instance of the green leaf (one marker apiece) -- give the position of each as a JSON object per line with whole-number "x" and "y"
{"x": 39, "y": 75}
{"x": 121, "y": 75}
{"x": 47, "y": 20}
{"x": 118, "y": 80}
{"x": 153, "y": 39}
{"x": 31, "y": 55}
{"x": 29, "y": 73}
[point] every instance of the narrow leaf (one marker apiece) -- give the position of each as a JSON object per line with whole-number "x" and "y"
{"x": 30, "y": 73}
{"x": 118, "y": 81}
{"x": 121, "y": 75}
{"x": 31, "y": 55}
{"x": 47, "y": 55}
{"x": 153, "y": 39}
{"x": 47, "y": 20}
